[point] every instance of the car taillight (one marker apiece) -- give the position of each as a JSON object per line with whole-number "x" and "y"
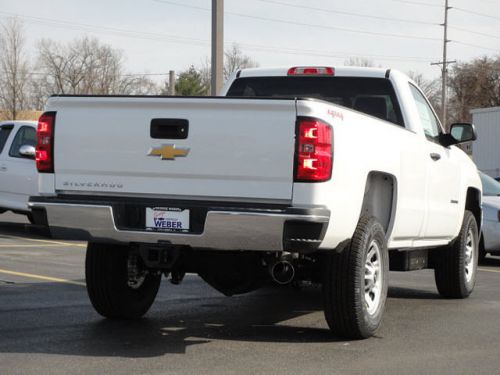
{"x": 314, "y": 155}
{"x": 311, "y": 71}
{"x": 44, "y": 154}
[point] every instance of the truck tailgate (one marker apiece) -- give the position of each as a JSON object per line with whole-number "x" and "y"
{"x": 236, "y": 148}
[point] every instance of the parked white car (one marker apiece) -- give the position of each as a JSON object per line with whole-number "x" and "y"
{"x": 18, "y": 173}
{"x": 490, "y": 241}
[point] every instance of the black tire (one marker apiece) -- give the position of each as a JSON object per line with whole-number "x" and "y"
{"x": 107, "y": 283}
{"x": 454, "y": 278}
{"x": 345, "y": 305}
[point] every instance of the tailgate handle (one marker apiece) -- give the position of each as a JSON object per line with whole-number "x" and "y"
{"x": 169, "y": 128}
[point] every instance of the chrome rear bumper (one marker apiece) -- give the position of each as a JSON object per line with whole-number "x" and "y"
{"x": 223, "y": 229}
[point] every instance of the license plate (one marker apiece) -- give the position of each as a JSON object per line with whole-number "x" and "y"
{"x": 167, "y": 219}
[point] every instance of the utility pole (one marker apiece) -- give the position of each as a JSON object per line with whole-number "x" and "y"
{"x": 171, "y": 83}
{"x": 444, "y": 64}
{"x": 217, "y": 46}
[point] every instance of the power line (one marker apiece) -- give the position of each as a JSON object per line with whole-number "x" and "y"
{"x": 418, "y": 3}
{"x": 185, "y": 40}
{"x": 106, "y": 29}
{"x": 182, "y": 5}
{"x": 444, "y": 63}
{"x": 338, "y": 28}
{"x": 475, "y": 45}
{"x": 336, "y": 11}
{"x": 338, "y": 55}
{"x": 355, "y": 31}
{"x": 456, "y": 8}
{"x": 121, "y": 75}
{"x": 334, "y": 27}
{"x": 295, "y": 23}
{"x": 178, "y": 39}
{"x": 474, "y": 32}
{"x": 476, "y": 13}
{"x": 487, "y": 1}
{"x": 144, "y": 74}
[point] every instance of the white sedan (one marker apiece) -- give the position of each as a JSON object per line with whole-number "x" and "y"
{"x": 490, "y": 241}
{"x": 18, "y": 174}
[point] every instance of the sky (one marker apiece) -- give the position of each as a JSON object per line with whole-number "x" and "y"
{"x": 161, "y": 35}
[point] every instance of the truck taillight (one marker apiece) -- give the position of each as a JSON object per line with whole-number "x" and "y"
{"x": 313, "y": 154}
{"x": 311, "y": 71}
{"x": 44, "y": 153}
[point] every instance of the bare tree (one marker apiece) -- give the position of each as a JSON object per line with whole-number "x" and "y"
{"x": 86, "y": 66}
{"x": 234, "y": 60}
{"x": 14, "y": 70}
{"x": 36, "y": 92}
{"x": 206, "y": 73}
{"x": 359, "y": 61}
{"x": 137, "y": 85}
{"x": 475, "y": 84}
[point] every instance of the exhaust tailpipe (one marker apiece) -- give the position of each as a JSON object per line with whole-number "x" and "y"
{"x": 282, "y": 271}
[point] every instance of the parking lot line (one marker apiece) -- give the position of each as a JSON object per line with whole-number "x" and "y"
{"x": 29, "y": 245}
{"x": 489, "y": 270}
{"x": 40, "y": 277}
{"x": 47, "y": 241}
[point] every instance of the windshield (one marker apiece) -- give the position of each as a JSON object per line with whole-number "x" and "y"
{"x": 490, "y": 186}
{"x": 373, "y": 96}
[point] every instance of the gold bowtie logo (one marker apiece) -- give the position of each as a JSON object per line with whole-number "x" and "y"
{"x": 168, "y": 152}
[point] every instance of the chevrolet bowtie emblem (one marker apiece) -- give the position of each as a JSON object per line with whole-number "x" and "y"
{"x": 168, "y": 152}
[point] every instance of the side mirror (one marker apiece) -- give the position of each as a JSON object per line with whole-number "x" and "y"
{"x": 459, "y": 133}
{"x": 463, "y": 132}
{"x": 27, "y": 151}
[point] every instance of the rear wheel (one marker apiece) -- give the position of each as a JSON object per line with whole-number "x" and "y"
{"x": 456, "y": 266}
{"x": 355, "y": 282}
{"x": 117, "y": 285}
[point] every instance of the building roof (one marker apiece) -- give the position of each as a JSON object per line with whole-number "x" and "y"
{"x": 485, "y": 110}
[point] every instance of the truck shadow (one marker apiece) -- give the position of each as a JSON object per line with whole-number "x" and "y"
{"x": 13, "y": 228}
{"x": 491, "y": 261}
{"x": 173, "y": 325}
{"x": 264, "y": 319}
{"x": 409, "y": 293}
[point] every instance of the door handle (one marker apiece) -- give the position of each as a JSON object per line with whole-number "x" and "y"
{"x": 169, "y": 128}
{"x": 3, "y": 168}
{"x": 435, "y": 156}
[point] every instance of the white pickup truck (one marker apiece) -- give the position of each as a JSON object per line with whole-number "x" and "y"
{"x": 329, "y": 175}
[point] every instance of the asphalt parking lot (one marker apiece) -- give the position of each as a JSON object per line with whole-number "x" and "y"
{"x": 47, "y": 325}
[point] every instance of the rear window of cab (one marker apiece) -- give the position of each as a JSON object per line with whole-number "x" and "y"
{"x": 372, "y": 96}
